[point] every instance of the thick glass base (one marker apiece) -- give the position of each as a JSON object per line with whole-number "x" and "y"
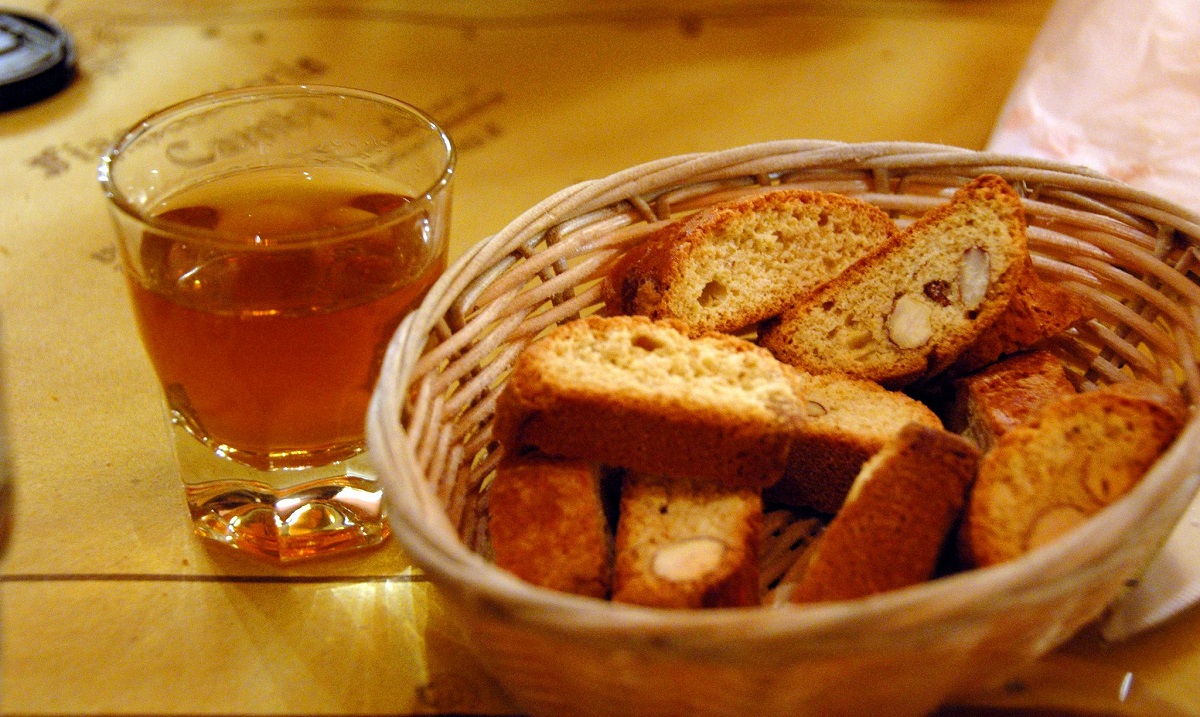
{"x": 283, "y": 514}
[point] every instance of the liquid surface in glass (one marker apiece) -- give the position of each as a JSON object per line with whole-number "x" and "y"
{"x": 268, "y": 344}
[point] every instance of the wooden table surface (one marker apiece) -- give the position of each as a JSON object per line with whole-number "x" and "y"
{"x": 109, "y": 605}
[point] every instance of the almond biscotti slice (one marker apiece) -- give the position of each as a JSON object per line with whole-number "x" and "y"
{"x": 849, "y": 420}
{"x": 630, "y": 392}
{"x": 734, "y": 264}
{"x": 547, "y": 524}
{"x": 895, "y": 522}
{"x": 990, "y": 402}
{"x": 907, "y": 311}
{"x": 686, "y": 544}
{"x": 1069, "y": 461}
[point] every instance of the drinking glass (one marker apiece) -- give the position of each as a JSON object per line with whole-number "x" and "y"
{"x": 272, "y": 239}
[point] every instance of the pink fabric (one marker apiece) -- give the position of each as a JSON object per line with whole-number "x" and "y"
{"x": 1114, "y": 85}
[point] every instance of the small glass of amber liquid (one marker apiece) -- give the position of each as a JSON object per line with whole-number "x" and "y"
{"x": 272, "y": 239}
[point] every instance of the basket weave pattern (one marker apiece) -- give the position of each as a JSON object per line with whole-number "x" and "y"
{"x": 1131, "y": 256}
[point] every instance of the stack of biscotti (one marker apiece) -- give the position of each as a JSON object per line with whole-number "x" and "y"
{"x": 835, "y": 288}
{"x": 700, "y": 425}
{"x": 647, "y": 398}
{"x": 819, "y": 412}
{"x": 907, "y": 311}
{"x": 833, "y": 285}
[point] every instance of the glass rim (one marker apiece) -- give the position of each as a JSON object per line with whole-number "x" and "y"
{"x": 291, "y": 240}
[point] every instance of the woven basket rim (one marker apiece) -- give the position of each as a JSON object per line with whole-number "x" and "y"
{"x": 964, "y": 596}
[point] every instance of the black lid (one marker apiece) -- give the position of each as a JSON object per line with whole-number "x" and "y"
{"x": 37, "y": 59}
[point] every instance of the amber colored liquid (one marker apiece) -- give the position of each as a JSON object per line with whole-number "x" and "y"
{"x": 268, "y": 351}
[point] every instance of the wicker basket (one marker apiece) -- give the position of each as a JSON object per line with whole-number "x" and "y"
{"x": 1131, "y": 256}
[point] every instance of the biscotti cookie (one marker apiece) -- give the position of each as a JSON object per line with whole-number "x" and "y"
{"x": 1070, "y": 460}
{"x": 991, "y": 401}
{"x": 1169, "y": 399}
{"x": 547, "y": 525}
{"x": 907, "y": 311}
{"x": 686, "y": 544}
{"x": 638, "y": 394}
{"x": 895, "y": 522}
{"x": 1038, "y": 310}
{"x": 734, "y": 264}
{"x": 849, "y": 420}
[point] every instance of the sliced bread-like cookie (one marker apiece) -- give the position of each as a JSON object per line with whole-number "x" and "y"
{"x": 547, "y": 524}
{"x": 686, "y": 544}
{"x": 643, "y": 395}
{"x": 988, "y": 403}
{"x": 735, "y": 264}
{"x": 907, "y": 311}
{"x": 895, "y": 522}
{"x": 1070, "y": 460}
